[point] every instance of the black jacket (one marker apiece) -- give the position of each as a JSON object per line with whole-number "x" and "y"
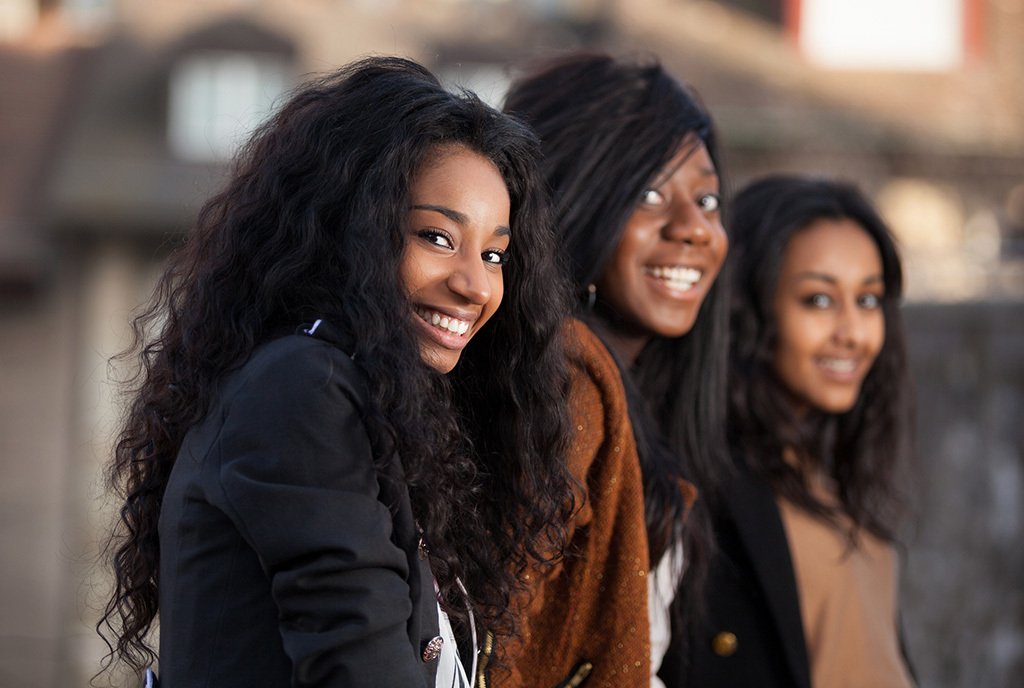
{"x": 287, "y": 557}
{"x": 751, "y": 633}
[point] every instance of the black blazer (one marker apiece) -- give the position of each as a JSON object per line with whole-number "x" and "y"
{"x": 751, "y": 632}
{"x": 287, "y": 556}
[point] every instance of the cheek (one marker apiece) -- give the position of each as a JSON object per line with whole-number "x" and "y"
{"x": 497, "y": 290}
{"x": 786, "y": 362}
{"x": 794, "y": 346}
{"x": 417, "y": 270}
{"x": 497, "y": 285}
{"x": 409, "y": 271}
{"x": 612, "y": 285}
{"x": 633, "y": 244}
{"x": 721, "y": 245}
{"x": 877, "y": 337}
{"x": 617, "y": 283}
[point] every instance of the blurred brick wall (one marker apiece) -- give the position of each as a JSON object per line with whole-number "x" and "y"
{"x": 963, "y": 602}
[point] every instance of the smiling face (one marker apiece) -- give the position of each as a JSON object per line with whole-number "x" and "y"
{"x": 669, "y": 254}
{"x": 457, "y": 235}
{"x": 828, "y": 309}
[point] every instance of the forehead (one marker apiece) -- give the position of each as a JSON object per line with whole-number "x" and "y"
{"x": 455, "y": 168}
{"x": 692, "y": 158}
{"x": 463, "y": 186}
{"x": 839, "y": 248}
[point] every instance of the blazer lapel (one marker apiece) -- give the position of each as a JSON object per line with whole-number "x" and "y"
{"x": 423, "y": 623}
{"x": 752, "y": 506}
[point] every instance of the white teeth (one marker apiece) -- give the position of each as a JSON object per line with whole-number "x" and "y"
{"x": 676, "y": 277}
{"x": 839, "y": 365}
{"x": 443, "y": 322}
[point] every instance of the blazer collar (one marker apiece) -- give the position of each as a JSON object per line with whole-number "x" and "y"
{"x": 751, "y": 504}
{"x": 329, "y": 332}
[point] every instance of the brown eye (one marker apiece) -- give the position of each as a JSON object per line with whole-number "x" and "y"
{"x": 819, "y": 301}
{"x": 435, "y": 237}
{"x": 652, "y": 198}
{"x": 495, "y": 257}
{"x": 871, "y": 301}
{"x": 709, "y": 203}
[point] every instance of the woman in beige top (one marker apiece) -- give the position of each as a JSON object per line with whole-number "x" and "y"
{"x": 804, "y": 589}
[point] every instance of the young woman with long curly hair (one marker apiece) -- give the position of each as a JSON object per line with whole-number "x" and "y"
{"x": 345, "y": 442}
{"x": 803, "y": 591}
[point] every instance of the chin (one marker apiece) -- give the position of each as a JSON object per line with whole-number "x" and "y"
{"x": 443, "y": 366}
{"x": 836, "y": 406}
{"x": 440, "y": 362}
{"x": 675, "y": 329}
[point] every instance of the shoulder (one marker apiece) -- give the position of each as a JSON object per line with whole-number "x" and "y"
{"x": 603, "y": 431}
{"x": 294, "y": 414}
{"x": 293, "y": 392}
{"x": 597, "y": 395}
{"x": 590, "y": 357}
{"x": 596, "y": 379}
{"x": 293, "y": 370}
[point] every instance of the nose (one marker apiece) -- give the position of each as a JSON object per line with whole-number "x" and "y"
{"x": 688, "y": 225}
{"x": 469, "y": 280}
{"x": 851, "y": 327}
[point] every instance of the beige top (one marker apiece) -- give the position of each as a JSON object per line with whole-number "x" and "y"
{"x": 848, "y": 601}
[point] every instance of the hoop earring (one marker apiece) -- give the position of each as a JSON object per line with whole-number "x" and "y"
{"x": 591, "y": 296}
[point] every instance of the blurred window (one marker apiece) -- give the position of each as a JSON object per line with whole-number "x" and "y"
{"x": 883, "y": 34}
{"x": 17, "y": 18}
{"x": 88, "y": 15}
{"x": 217, "y": 98}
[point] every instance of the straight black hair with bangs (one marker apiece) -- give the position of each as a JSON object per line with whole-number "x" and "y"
{"x": 608, "y": 128}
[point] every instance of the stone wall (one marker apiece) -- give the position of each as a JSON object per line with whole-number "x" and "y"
{"x": 963, "y": 603}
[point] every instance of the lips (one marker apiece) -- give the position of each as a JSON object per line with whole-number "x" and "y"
{"x": 678, "y": 278}
{"x": 841, "y": 368}
{"x": 838, "y": 365}
{"x": 444, "y": 321}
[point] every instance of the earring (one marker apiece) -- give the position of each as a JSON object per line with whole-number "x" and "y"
{"x": 591, "y": 296}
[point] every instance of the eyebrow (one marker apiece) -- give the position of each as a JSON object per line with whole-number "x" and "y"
{"x": 459, "y": 218}
{"x": 664, "y": 175}
{"x": 825, "y": 277}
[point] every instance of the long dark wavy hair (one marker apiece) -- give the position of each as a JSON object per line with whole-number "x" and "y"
{"x": 860, "y": 449}
{"x": 608, "y": 127}
{"x": 311, "y": 224}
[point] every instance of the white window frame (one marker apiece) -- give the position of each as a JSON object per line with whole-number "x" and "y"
{"x": 217, "y": 98}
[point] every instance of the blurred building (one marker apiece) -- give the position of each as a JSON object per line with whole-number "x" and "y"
{"x": 117, "y": 119}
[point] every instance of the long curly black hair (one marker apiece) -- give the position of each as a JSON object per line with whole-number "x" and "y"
{"x": 311, "y": 223}
{"x": 862, "y": 448}
{"x": 609, "y": 127}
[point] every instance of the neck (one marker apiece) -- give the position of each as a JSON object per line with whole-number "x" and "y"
{"x": 626, "y": 343}
{"x": 625, "y": 347}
